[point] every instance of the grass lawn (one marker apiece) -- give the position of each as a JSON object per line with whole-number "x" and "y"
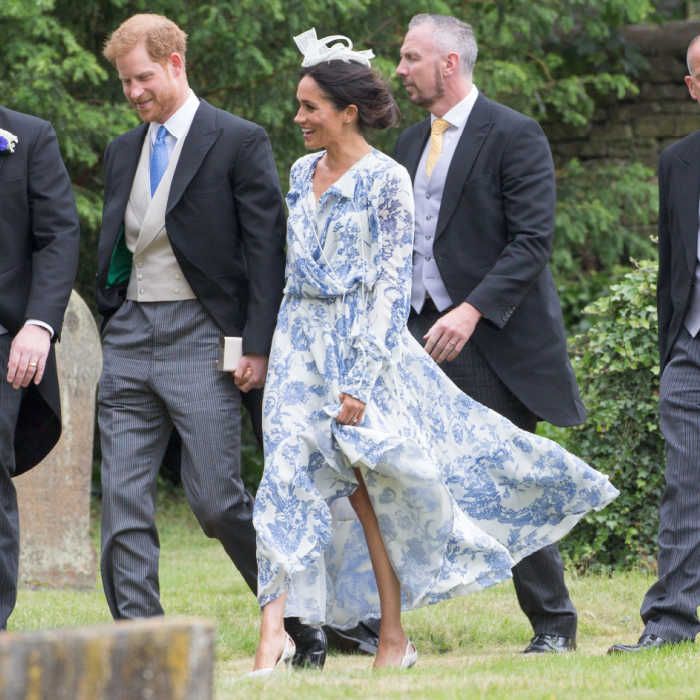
{"x": 469, "y": 647}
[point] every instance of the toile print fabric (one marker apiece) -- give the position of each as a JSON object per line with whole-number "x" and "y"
{"x": 460, "y": 493}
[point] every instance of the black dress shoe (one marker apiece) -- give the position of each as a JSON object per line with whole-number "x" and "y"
{"x": 310, "y": 641}
{"x": 646, "y": 641}
{"x": 550, "y": 644}
{"x": 364, "y": 638}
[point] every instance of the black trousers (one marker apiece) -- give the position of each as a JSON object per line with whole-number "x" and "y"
{"x": 9, "y": 518}
{"x": 539, "y": 578}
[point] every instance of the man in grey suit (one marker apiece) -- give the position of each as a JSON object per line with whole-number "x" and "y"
{"x": 483, "y": 299}
{"x": 191, "y": 249}
{"x": 39, "y": 239}
{"x": 670, "y": 607}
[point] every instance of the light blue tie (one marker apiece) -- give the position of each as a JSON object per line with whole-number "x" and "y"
{"x": 159, "y": 158}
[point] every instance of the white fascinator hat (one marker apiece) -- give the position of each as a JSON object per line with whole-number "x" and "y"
{"x": 331, "y": 48}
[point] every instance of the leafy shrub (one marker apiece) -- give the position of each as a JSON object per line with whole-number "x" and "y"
{"x": 616, "y": 362}
{"x": 604, "y": 215}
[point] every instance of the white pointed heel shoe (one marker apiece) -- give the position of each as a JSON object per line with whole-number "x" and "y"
{"x": 410, "y": 656}
{"x": 283, "y": 662}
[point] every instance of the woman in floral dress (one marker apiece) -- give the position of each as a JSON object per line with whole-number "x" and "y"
{"x": 385, "y": 487}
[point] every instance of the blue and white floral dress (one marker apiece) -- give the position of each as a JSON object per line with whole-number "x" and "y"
{"x": 460, "y": 493}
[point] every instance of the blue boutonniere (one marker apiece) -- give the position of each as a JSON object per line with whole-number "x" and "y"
{"x": 8, "y": 141}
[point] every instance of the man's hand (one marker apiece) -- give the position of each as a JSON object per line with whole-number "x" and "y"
{"x": 250, "y": 372}
{"x": 450, "y": 333}
{"x": 28, "y": 354}
{"x": 352, "y": 410}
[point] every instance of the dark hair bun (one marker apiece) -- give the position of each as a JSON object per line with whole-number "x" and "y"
{"x": 354, "y": 84}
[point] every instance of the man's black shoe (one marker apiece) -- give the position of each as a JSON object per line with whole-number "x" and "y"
{"x": 550, "y": 644}
{"x": 364, "y": 638}
{"x": 310, "y": 641}
{"x": 646, "y": 641}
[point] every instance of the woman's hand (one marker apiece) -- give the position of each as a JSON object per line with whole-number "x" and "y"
{"x": 352, "y": 410}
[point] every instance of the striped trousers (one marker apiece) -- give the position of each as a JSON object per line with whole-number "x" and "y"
{"x": 159, "y": 374}
{"x": 670, "y": 607}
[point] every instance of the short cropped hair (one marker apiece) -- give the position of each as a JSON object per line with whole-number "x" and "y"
{"x": 451, "y": 34}
{"x": 692, "y": 43}
{"x": 160, "y": 35}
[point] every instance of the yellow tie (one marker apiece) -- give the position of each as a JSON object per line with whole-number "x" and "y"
{"x": 439, "y": 127}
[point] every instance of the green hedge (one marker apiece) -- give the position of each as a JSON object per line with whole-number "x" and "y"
{"x": 616, "y": 362}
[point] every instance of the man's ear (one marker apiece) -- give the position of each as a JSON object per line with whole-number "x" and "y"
{"x": 451, "y": 63}
{"x": 177, "y": 63}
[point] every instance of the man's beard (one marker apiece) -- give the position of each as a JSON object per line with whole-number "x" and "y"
{"x": 428, "y": 100}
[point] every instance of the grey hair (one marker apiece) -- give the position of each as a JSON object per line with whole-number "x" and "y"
{"x": 692, "y": 43}
{"x": 451, "y": 34}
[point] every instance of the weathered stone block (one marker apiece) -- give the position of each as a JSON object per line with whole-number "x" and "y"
{"x": 685, "y": 124}
{"x": 654, "y": 127}
{"x": 54, "y": 497}
{"x": 670, "y": 37}
{"x": 559, "y": 131}
{"x": 628, "y": 111}
{"x": 613, "y": 132}
{"x": 165, "y": 658}
{"x": 666, "y": 68}
{"x": 594, "y": 149}
{"x": 687, "y": 106}
{"x": 665, "y": 91}
{"x": 565, "y": 150}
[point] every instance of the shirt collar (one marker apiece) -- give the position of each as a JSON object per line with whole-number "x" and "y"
{"x": 458, "y": 115}
{"x": 179, "y": 123}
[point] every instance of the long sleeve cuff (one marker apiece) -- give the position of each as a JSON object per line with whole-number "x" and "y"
{"x": 41, "y": 324}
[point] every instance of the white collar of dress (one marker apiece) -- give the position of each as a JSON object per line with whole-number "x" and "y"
{"x": 346, "y": 184}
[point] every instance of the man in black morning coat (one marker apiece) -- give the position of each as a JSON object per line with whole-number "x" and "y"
{"x": 483, "y": 300}
{"x": 39, "y": 239}
{"x": 670, "y": 607}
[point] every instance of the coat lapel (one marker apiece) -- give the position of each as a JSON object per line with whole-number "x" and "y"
{"x": 154, "y": 220}
{"x": 200, "y": 138}
{"x": 126, "y": 160}
{"x": 686, "y": 199}
{"x": 475, "y": 132}
{"x": 4, "y": 125}
{"x": 416, "y": 146}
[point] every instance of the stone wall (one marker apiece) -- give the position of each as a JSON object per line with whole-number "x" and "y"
{"x": 638, "y": 128}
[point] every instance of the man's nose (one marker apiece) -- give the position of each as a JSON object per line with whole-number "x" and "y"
{"x": 135, "y": 91}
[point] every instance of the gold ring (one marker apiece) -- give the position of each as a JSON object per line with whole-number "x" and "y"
{"x": 32, "y": 364}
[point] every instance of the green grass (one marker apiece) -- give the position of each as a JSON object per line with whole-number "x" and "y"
{"x": 469, "y": 647}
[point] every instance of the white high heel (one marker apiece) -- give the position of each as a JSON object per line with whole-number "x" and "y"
{"x": 283, "y": 662}
{"x": 410, "y": 656}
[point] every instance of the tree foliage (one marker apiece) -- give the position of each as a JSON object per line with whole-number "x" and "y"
{"x": 603, "y": 218}
{"x": 553, "y": 59}
{"x": 542, "y": 58}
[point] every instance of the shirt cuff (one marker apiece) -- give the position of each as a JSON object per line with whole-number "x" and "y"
{"x": 41, "y": 324}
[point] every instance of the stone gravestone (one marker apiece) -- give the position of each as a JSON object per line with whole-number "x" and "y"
{"x": 163, "y": 658}
{"x": 54, "y": 497}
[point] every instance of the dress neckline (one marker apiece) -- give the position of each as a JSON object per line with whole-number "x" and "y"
{"x": 333, "y": 185}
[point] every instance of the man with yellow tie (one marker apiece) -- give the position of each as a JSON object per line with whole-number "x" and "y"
{"x": 483, "y": 299}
